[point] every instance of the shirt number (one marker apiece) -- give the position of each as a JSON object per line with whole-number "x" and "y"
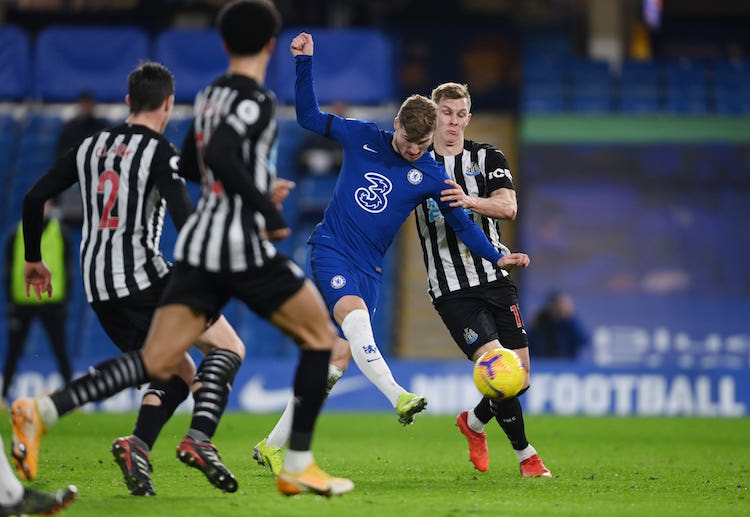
{"x": 107, "y": 220}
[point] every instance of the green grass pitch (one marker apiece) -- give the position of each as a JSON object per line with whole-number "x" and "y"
{"x": 601, "y": 466}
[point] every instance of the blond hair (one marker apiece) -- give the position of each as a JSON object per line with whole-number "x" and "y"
{"x": 451, "y": 91}
{"x": 417, "y": 116}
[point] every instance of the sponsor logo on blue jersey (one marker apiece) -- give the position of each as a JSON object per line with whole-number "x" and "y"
{"x": 373, "y": 198}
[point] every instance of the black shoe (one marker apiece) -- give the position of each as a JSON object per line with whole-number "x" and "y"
{"x": 136, "y": 469}
{"x": 203, "y": 456}
{"x": 41, "y": 502}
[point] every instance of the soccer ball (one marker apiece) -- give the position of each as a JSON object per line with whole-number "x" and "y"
{"x": 499, "y": 374}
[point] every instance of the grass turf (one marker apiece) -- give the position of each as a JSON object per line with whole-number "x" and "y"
{"x": 601, "y": 466}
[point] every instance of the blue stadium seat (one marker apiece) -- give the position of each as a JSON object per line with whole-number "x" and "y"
{"x": 36, "y": 152}
{"x": 730, "y": 91}
{"x": 354, "y": 66}
{"x": 70, "y": 60}
{"x": 15, "y": 63}
{"x": 686, "y": 91}
{"x": 641, "y": 87}
{"x": 194, "y": 56}
{"x": 548, "y": 98}
{"x": 590, "y": 86}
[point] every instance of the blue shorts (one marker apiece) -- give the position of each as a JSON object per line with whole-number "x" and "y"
{"x": 336, "y": 276}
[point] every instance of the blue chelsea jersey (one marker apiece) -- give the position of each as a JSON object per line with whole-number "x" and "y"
{"x": 377, "y": 188}
{"x": 376, "y": 191}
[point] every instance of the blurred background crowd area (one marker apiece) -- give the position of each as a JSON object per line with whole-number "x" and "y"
{"x": 626, "y": 124}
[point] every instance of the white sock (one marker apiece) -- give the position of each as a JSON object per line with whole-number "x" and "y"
{"x": 475, "y": 424}
{"x": 297, "y": 461}
{"x": 47, "y": 411}
{"x": 525, "y": 454}
{"x": 279, "y": 435}
{"x": 11, "y": 490}
{"x": 358, "y": 332}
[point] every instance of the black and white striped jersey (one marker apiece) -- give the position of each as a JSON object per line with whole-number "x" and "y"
{"x": 232, "y": 143}
{"x": 125, "y": 173}
{"x": 480, "y": 169}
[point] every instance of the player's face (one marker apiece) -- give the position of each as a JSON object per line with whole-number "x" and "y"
{"x": 410, "y": 151}
{"x": 452, "y": 118}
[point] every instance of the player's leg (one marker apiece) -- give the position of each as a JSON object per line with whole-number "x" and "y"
{"x": 19, "y": 321}
{"x": 31, "y": 418}
{"x": 16, "y": 500}
{"x": 352, "y": 315}
{"x": 269, "y": 452}
{"x": 304, "y": 317}
{"x": 223, "y": 354}
{"x": 350, "y": 294}
{"x": 127, "y": 321}
{"x": 503, "y": 302}
{"x": 472, "y": 328}
{"x": 165, "y": 347}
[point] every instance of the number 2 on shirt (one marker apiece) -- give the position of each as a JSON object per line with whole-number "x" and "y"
{"x": 107, "y": 221}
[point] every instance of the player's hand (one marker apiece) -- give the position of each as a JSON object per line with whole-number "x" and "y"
{"x": 37, "y": 274}
{"x": 456, "y": 196}
{"x": 278, "y": 235}
{"x": 513, "y": 260}
{"x": 302, "y": 44}
{"x": 281, "y": 189}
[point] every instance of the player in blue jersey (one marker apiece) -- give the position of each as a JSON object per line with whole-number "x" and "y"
{"x": 384, "y": 176}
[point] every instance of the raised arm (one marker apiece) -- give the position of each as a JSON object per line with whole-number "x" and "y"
{"x": 306, "y": 106}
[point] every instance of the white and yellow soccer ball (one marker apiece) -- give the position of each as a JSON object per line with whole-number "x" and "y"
{"x": 499, "y": 374}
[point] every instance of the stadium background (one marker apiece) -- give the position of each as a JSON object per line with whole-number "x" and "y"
{"x": 627, "y": 128}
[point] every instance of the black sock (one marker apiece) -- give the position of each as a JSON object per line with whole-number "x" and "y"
{"x": 216, "y": 375}
{"x": 310, "y": 384}
{"x": 509, "y": 415}
{"x": 151, "y": 419}
{"x": 483, "y": 411}
{"x": 102, "y": 381}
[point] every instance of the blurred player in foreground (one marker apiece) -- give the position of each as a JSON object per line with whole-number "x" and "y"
{"x": 127, "y": 173}
{"x": 477, "y": 302}
{"x": 223, "y": 252}
{"x": 385, "y": 175}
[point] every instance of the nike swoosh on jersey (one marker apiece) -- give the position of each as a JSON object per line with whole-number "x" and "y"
{"x": 254, "y": 397}
{"x": 368, "y": 148}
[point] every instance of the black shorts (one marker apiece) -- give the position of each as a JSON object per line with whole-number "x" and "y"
{"x": 126, "y": 320}
{"x": 478, "y": 315}
{"x": 262, "y": 289}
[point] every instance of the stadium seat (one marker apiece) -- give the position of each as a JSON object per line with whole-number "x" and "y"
{"x": 548, "y": 98}
{"x": 641, "y": 87}
{"x": 15, "y": 64}
{"x": 730, "y": 92}
{"x": 590, "y": 86}
{"x": 354, "y": 66}
{"x": 194, "y": 56}
{"x": 686, "y": 87}
{"x": 69, "y": 60}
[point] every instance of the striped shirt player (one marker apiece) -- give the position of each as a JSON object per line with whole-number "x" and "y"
{"x": 480, "y": 169}
{"x": 224, "y": 233}
{"x": 126, "y": 174}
